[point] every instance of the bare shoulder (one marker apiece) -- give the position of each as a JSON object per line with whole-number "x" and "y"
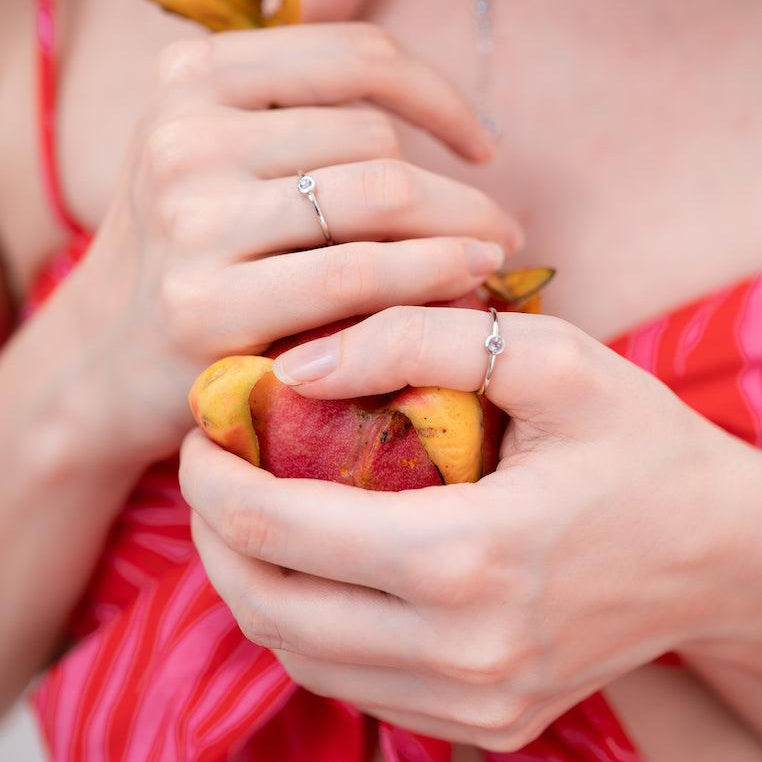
{"x": 16, "y": 26}
{"x": 16, "y": 33}
{"x": 14, "y": 15}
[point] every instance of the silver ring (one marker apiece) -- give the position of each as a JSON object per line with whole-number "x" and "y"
{"x": 306, "y": 186}
{"x": 494, "y": 344}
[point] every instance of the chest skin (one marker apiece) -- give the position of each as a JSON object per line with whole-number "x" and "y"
{"x": 631, "y": 140}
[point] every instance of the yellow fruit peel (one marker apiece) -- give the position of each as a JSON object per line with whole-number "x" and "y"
{"x": 227, "y": 15}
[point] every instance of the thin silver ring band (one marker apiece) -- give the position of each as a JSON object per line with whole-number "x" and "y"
{"x": 494, "y": 344}
{"x": 306, "y": 185}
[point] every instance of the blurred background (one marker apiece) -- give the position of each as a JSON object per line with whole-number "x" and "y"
{"x": 19, "y": 739}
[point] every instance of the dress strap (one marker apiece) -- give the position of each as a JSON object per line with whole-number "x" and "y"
{"x": 46, "y": 115}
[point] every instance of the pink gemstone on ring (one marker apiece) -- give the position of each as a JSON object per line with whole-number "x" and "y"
{"x": 494, "y": 344}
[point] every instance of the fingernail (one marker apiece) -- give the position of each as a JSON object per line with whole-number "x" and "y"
{"x": 486, "y": 151}
{"x": 484, "y": 258}
{"x": 307, "y": 362}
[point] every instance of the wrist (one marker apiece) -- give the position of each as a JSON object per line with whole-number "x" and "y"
{"x": 140, "y": 387}
{"x": 729, "y": 601}
{"x": 59, "y": 381}
{"x": 66, "y": 444}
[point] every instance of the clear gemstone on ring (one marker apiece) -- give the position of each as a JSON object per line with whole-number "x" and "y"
{"x": 306, "y": 184}
{"x": 494, "y": 344}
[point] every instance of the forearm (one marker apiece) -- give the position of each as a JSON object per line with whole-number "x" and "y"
{"x": 729, "y": 658}
{"x": 65, "y": 474}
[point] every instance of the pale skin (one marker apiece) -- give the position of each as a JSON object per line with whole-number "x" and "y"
{"x": 544, "y": 556}
{"x": 548, "y": 170}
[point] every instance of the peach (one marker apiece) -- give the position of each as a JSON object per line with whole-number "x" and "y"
{"x": 415, "y": 438}
{"x": 409, "y": 439}
{"x": 219, "y": 401}
{"x": 449, "y": 425}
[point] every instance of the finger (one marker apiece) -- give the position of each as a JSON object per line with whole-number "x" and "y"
{"x": 508, "y": 725}
{"x": 431, "y": 727}
{"x": 268, "y": 144}
{"x": 321, "y": 137}
{"x": 321, "y": 287}
{"x": 326, "y": 64}
{"x": 473, "y": 707}
{"x": 307, "y": 615}
{"x": 379, "y": 540}
{"x": 379, "y": 200}
{"x": 547, "y": 363}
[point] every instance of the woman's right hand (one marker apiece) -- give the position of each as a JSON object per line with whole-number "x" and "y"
{"x": 189, "y": 264}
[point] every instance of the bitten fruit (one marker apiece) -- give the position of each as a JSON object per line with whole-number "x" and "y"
{"x": 219, "y": 401}
{"x": 413, "y": 438}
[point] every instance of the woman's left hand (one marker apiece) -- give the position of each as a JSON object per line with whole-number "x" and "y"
{"x": 481, "y": 612}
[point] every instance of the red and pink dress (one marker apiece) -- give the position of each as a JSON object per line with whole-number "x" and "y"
{"x": 160, "y": 672}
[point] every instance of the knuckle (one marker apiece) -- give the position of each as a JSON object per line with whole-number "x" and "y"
{"x": 169, "y": 211}
{"x": 459, "y": 567}
{"x": 350, "y": 280}
{"x": 463, "y": 573}
{"x": 260, "y": 629}
{"x": 487, "y": 665}
{"x": 180, "y": 298}
{"x": 374, "y": 44}
{"x": 504, "y": 742}
{"x": 499, "y": 717}
{"x": 172, "y": 145}
{"x": 389, "y": 186}
{"x": 191, "y": 220}
{"x": 183, "y": 61}
{"x": 491, "y": 214}
{"x": 406, "y": 334}
{"x": 521, "y": 728}
{"x": 243, "y": 530}
{"x": 446, "y": 266}
{"x": 381, "y": 134}
{"x": 566, "y": 350}
{"x": 459, "y": 562}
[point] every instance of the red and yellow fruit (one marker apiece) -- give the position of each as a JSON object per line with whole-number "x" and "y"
{"x": 413, "y": 438}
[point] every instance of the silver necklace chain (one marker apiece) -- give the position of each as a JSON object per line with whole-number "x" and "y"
{"x": 483, "y": 11}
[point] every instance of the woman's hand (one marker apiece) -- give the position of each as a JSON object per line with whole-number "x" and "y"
{"x": 183, "y": 269}
{"x": 617, "y": 527}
